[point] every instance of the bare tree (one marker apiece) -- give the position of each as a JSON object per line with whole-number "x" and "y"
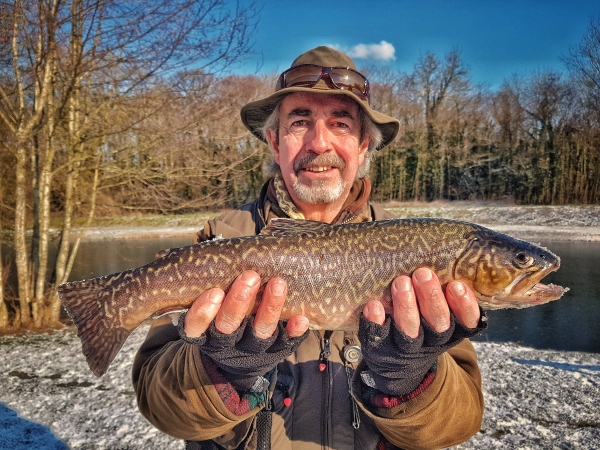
{"x": 583, "y": 62}
{"x": 433, "y": 83}
{"x": 71, "y": 63}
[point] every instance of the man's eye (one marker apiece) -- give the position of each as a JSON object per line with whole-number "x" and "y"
{"x": 300, "y": 123}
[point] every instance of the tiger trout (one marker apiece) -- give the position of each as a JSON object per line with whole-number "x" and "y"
{"x": 331, "y": 272}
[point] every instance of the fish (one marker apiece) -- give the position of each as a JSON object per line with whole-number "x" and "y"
{"x": 331, "y": 271}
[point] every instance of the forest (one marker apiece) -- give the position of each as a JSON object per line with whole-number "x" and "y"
{"x": 114, "y": 108}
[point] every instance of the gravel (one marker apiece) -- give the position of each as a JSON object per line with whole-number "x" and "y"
{"x": 534, "y": 398}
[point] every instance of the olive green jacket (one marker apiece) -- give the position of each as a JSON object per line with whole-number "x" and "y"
{"x": 177, "y": 396}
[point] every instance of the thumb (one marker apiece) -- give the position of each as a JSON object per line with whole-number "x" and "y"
{"x": 202, "y": 312}
{"x": 374, "y": 312}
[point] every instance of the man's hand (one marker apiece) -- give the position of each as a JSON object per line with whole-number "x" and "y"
{"x": 230, "y": 310}
{"x": 244, "y": 349}
{"x": 400, "y": 351}
{"x": 423, "y": 296}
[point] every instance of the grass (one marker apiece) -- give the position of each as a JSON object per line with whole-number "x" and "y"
{"x": 491, "y": 212}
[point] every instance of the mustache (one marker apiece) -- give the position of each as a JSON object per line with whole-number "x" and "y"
{"x": 319, "y": 160}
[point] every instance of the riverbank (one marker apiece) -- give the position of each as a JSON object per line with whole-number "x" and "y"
{"x": 564, "y": 223}
{"x": 533, "y": 398}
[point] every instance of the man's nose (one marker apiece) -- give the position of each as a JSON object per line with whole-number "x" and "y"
{"x": 319, "y": 141}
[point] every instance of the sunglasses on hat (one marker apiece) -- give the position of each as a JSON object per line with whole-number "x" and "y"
{"x": 308, "y": 75}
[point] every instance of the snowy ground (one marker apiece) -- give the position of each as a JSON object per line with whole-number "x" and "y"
{"x": 534, "y": 398}
{"x": 570, "y": 222}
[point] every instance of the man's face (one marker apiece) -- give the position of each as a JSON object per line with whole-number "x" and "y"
{"x": 319, "y": 149}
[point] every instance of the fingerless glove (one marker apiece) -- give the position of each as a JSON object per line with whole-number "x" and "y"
{"x": 398, "y": 363}
{"x": 242, "y": 356}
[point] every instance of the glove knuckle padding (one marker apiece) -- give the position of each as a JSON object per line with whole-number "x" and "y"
{"x": 398, "y": 362}
{"x": 242, "y": 355}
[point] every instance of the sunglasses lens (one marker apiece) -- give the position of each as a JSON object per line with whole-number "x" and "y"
{"x": 348, "y": 80}
{"x": 305, "y": 76}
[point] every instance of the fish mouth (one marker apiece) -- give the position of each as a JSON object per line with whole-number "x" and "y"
{"x": 542, "y": 293}
{"x": 527, "y": 290}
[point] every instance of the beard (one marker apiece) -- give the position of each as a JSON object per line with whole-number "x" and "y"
{"x": 319, "y": 192}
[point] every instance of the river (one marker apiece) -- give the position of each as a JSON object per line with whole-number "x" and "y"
{"x": 568, "y": 324}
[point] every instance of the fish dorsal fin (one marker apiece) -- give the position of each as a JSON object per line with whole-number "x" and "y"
{"x": 286, "y": 227}
{"x": 162, "y": 253}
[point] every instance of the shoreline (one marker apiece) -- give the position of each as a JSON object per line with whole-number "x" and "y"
{"x": 528, "y": 222}
{"x": 525, "y": 232}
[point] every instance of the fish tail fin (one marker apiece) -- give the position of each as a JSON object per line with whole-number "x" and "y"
{"x": 101, "y": 338}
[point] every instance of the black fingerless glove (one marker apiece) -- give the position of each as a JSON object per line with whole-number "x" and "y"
{"x": 242, "y": 356}
{"x": 398, "y": 363}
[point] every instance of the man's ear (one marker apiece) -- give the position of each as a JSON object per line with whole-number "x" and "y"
{"x": 274, "y": 144}
{"x": 363, "y": 148}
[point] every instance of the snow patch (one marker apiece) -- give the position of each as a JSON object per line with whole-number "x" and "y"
{"x": 533, "y": 398}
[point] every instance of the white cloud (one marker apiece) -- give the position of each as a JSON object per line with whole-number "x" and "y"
{"x": 384, "y": 51}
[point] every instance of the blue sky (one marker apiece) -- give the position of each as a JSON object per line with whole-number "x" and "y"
{"x": 496, "y": 38}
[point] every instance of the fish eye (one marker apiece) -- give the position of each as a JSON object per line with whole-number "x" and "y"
{"x": 523, "y": 259}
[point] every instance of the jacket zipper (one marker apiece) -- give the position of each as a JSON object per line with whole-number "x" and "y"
{"x": 347, "y": 219}
{"x": 325, "y": 388}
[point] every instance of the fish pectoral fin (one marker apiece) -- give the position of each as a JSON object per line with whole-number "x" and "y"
{"x": 173, "y": 313}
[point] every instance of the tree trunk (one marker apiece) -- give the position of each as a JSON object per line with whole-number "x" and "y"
{"x": 20, "y": 239}
{"x": 3, "y": 309}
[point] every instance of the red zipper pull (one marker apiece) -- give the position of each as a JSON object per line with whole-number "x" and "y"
{"x": 326, "y": 351}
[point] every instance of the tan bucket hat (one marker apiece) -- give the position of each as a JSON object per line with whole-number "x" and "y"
{"x": 254, "y": 114}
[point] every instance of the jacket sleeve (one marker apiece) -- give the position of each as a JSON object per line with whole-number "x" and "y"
{"x": 175, "y": 393}
{"x": 446, "y": 413}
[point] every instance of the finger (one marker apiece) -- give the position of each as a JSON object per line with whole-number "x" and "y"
{"x": 269, "y": 310}
{"x": 374, "y": 312}
{"x": 431, "y": 300}
{"x": 237, "y": 301}
{"x": 463, "y": 303}
{"x": 406, "y": 309}
{"x": 202, "y": 312}
{"x": 297, "y": 326}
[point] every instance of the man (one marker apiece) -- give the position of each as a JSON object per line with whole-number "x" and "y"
{"x": 404, "y": 380}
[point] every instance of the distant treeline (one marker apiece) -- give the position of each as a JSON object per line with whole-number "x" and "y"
{"x": 101, "y": 114}
{"x": 536, "y": 139}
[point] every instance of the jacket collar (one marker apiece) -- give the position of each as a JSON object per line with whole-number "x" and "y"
{"x": 355, "y": 208}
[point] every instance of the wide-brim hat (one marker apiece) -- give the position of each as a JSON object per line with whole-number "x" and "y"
{"x": 255, "y": 113}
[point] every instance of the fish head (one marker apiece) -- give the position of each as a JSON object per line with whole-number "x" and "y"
{"x": 505, "y": 272}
